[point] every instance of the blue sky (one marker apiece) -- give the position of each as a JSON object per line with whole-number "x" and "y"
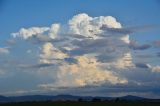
{"x": 17, "y": 14}
{"x": 30, "y": 65}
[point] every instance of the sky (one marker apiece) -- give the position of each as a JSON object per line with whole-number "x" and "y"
{"x": 80, "y": 47}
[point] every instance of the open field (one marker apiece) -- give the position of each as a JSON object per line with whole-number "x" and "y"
{"x": 69, "y": 103}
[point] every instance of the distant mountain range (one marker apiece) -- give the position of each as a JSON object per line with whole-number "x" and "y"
{"x": 4, "y": 99}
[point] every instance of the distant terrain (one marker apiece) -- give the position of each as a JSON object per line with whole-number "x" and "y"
{"x": 70, "y": 100}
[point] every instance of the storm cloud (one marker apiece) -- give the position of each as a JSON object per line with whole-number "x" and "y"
{"x": 88, "y": 51}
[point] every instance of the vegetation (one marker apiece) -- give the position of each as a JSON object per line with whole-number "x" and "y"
{"x": 83, "y": 103}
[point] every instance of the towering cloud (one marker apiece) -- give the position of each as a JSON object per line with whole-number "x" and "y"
{"x": 84, "y": 52}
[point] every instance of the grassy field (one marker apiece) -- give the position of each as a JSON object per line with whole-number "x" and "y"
{"x": 81, "y": 104}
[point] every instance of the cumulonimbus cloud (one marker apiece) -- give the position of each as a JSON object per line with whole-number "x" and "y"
{"x": 81, "y": 50}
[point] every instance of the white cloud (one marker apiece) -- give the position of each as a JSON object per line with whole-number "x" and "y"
{"x": 83, "y": 39}
{"x": 125, "y": 61}
{"x": 90, "y": 26}
{"x": 50, "y": 54}
{"x": 26, "y": 33}
{"x": 85, "y": 72}
{"x": 84, "y": 24}
{"x": 54, "y": 30}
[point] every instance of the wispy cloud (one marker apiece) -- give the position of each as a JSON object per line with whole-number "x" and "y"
{"x": 4, "y": 50}
{"x": 35, "y": 66}
{"x": 128, "y": 30}
{"x": 142, "y": 65}
{"x": 135, "y": 46}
